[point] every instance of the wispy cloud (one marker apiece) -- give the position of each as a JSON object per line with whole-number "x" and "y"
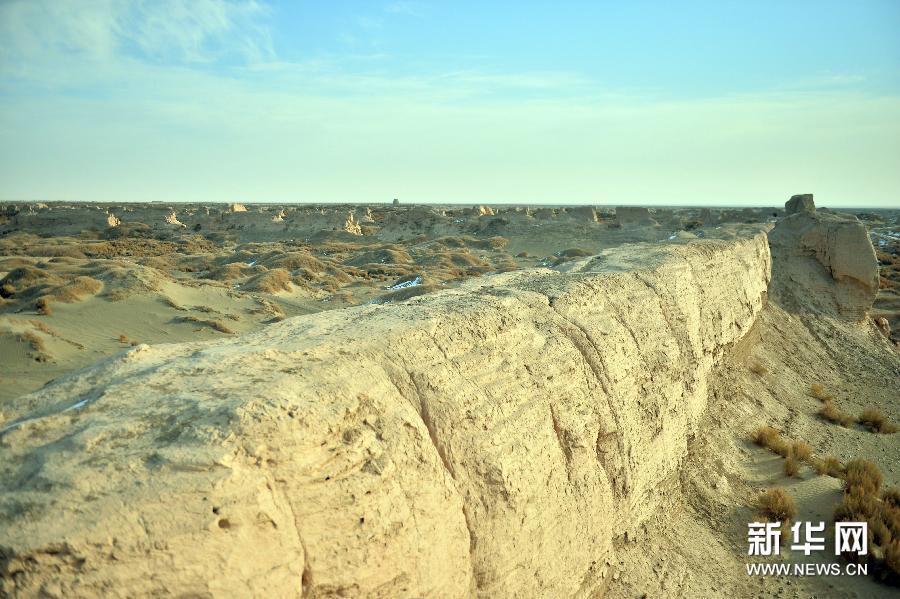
{"x": 405, "y": 7}
{"x": 199, "y": 31}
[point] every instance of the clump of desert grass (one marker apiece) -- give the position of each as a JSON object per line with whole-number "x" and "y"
{"x": 795, "y": 453}
{"x": 770, "y": 438}
{"x": 863, "y": 476}
{"x": 832, "y": 413}
{"x": 829, "y": 465}
{"x": 801, "y": 450}
{"x": 818, "y": 391}
{"x": 775, "y": 505}
{"x": 42, "y": 306}
{"x": 865, "y": 501}
{"x": 791, "y": 466}
{"x": 876, "y": 421}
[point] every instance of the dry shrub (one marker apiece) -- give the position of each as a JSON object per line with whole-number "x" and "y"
{"x": 862, "y": 476}
{"x": 876, "y": 421}
{"x": 758, "y": 369}
{"x": 829, "y": 465}
{"x": 770, "y": 438}
{"x": 42, "y": 305}
{"x": 801, "y": 450}
{"x": 881, "y": 534}
{"x": 791, "y": 466}
{"x": 892, "y": 560}
{"x": 123, "y": 338}
{"x": 832, "y": 413}
{"x": 891, "y": 497}
{"x": 776, "y": 505}
{"x": 856, "y": 506}
{"x": 890, "y": 516}
{"x": 817, "y": 390}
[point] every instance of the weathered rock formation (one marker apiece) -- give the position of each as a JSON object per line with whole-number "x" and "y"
{"x": 800, "y": 203}
{"x": 824, "y": 263}
{"x": 634, "y": 216}
{"x": 489, "y": 441}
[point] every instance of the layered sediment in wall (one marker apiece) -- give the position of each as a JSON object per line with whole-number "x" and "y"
{"x": 490, "y": 440}
{"x": 824, "y": 263}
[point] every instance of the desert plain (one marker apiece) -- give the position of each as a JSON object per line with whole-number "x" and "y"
{"x": 402, "y": 400}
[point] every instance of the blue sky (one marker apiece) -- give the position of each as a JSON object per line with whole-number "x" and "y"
{"x": 702, "y": 102}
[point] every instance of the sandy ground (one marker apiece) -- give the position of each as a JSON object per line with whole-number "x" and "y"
{"x": 147, "y": 280}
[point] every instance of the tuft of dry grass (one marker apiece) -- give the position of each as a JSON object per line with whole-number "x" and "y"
{"x": 758, "y": 369}
{"x": 801, "y": 450}
{"x": 856, "y": 506}
{"x": 876, "y": 421}
{"x": 881, "y": 534}
{"x": 776, "y": 505}
{"x": 791, "y": 465}
{"x": 892, "y": 559}
{"x": 862, "y": 476}
{"x": 42, "y": 305}
{"x": 770, "y": 438}
{"x": 891, "y": 497}
{"x": 832, "y": 413}
{"x": 829, "y": 465}
{"x": 818, "y": 391}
